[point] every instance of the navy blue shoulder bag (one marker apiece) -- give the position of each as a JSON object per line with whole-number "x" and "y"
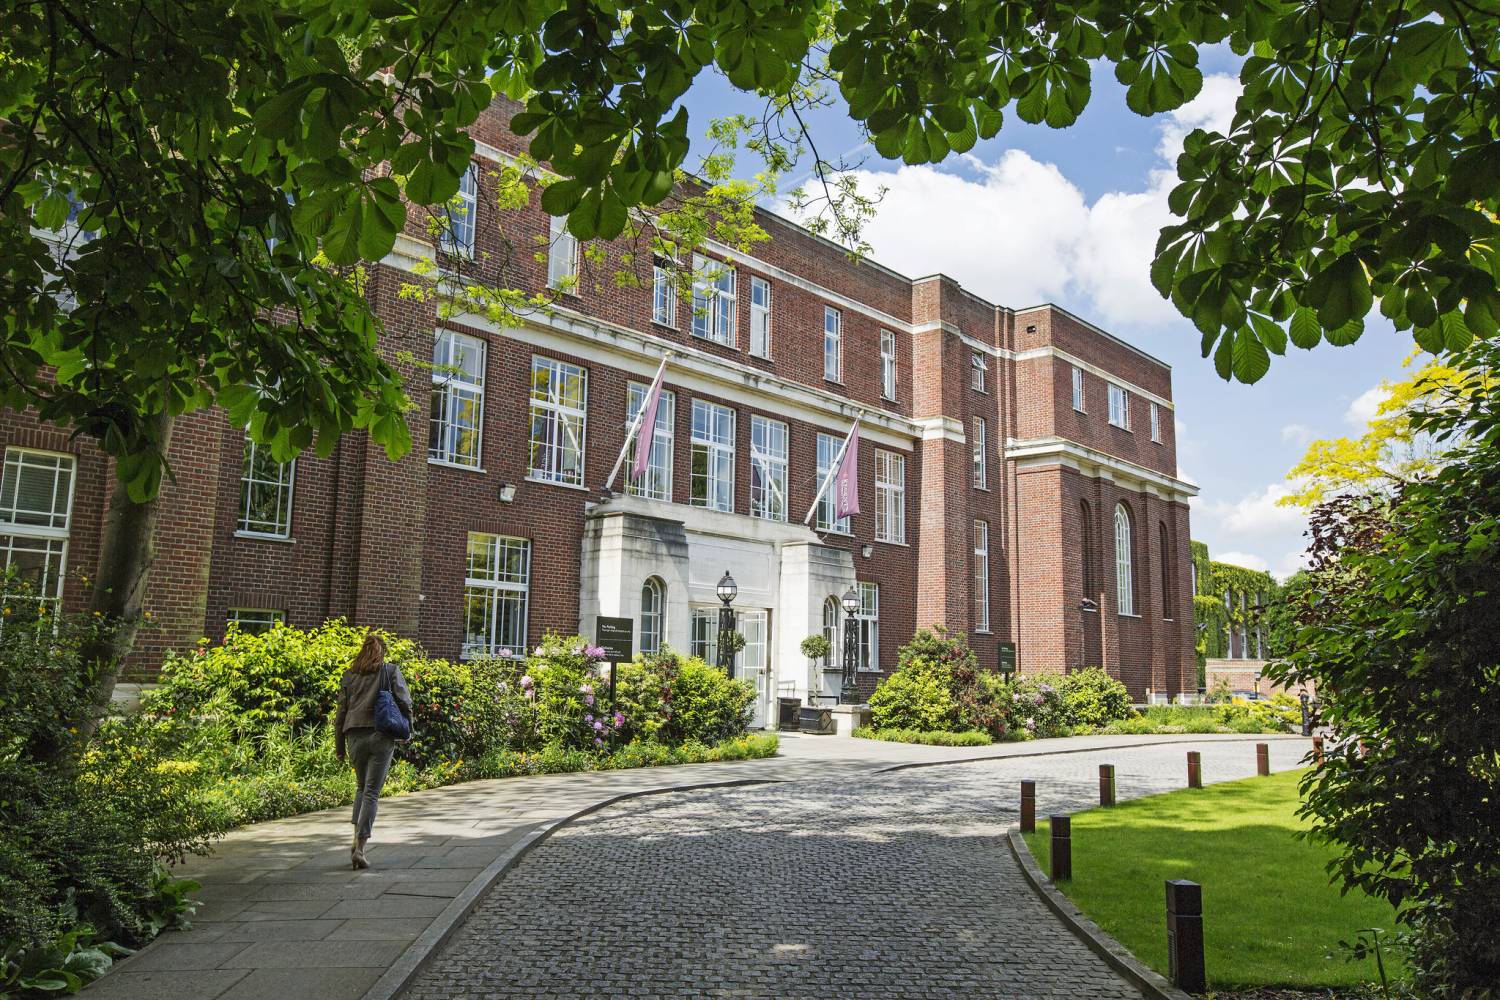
{"x": 388, "y": 718}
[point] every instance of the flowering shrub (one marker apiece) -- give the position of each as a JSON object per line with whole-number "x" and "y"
{"x": 1092, "y": 698}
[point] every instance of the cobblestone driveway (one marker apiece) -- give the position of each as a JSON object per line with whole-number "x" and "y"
{"x": 891, "y": 885}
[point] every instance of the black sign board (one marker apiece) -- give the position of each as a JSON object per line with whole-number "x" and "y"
{"x": 617, "y": 637}
{"x": 1007, "y": 657}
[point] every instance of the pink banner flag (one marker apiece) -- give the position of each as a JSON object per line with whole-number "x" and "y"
{"x": 846, "y": 483}
{"x": 645, "y": 435}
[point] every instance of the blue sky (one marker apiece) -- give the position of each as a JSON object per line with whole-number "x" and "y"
{"x": 1071, "y": 216}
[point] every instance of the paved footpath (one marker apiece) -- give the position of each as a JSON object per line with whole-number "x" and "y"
{"x": 844, "y": 878}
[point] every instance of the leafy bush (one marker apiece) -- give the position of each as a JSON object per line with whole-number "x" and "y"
{"x": 916, "y": 697}
{"x": 968, "y": 738}
{"x": 1091, "y": 698}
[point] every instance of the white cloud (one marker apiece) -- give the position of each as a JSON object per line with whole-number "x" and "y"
{"x": 1257, "y": 514}
{"x": 1297, "y": 434}
{"x": 1263, "y": 536}
{"x": 1244, "y": 559}
{"x": 1364, "y": 408}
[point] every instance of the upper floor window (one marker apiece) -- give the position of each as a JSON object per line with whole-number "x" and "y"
{"x": 562, "y": 255}
{"x": 663, "y": 292}
{"x": 828, "y": 453}
{"x": 1078, "y": 388}
{"x": 713, "y": 456}
{"x": 833, "y": 344}
{"x": 887, "y": 364}
{"x": 1119, "y": 407}
{"x": 1155, "y": 423}
{"x": 458, "y": 236}
{"x": 981, "y": 576}
{"x": 768, "y": 458}
{"x": 559, "y": 395}
{"x": 981, "y": 451}
{"x": 497, "y": 584}
{"x": 1124, "y": 568}
{"x": 977, "y": 369}
{"x": 657, "y": 482}
{"x": 36, "y": 510}
{"x": 265, "y": 493}
{"x": 457, "y": 399}
{"x": 713, "y": 301}
{"x": 760, "y": 317}
{"x": 890, "y": 497}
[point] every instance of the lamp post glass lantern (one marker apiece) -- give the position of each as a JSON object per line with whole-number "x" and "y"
{"x": 847, "y": 690}
{"x": 727, "y": 589}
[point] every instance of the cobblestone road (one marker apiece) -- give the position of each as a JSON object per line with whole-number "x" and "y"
{"x": 883, "y": 886}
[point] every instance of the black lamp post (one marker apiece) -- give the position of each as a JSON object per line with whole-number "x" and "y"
{"x": 726, "y": 591}
{"x": 847, "y": 690}
{"x": 1306, "y": 715}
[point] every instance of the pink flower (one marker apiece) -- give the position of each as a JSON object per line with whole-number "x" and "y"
{"x": 619, "y": 719}
{"x": 588, "y": 700}
{"x": 594, "y": 652}
{"x": 598, "y": 726}
{"x": 526, "y": 681}
{"x": 505, "y": 653}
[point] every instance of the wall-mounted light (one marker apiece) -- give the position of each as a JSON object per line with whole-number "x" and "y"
{"x": 507, "y": 493}
{"x": 867, "y": 550}
{"x": 1088, "y": 605}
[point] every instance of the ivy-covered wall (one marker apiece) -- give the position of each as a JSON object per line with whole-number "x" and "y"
{"x": 1230, "y": 628}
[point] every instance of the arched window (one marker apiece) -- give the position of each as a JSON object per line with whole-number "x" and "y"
{"x": 1166, "y": 571}
{"x": 1090, "y": 557}
{"x": 1124, "y": 576}
{"x": 831, "y": 612}
{"x": 653, "y": 615}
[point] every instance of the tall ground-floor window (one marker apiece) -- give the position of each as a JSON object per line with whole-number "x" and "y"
{"x": 253, "y": 621}
{"x": 36, "y": 509}
{"x": 653, "y": 615}
{"x": 496, "y": 587}
{"x": 704, "y": 641}
{"x": 752, "y": 625}
{"x": 869, "y": 626}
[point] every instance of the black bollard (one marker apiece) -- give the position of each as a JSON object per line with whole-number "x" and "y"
{"x": 1062, "y": 848}
{"x": 1185, "y": 934}
{"x": 1106, "y": 784}
{"x": 1028, "y": 807}
{"x": 1195, "y": 769}
{"x": 1262, "y": 759}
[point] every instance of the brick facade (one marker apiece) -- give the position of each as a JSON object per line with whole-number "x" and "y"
{"x": 385, "y": 543}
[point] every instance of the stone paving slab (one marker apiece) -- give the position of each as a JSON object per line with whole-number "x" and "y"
{"x": 295, "y": 871}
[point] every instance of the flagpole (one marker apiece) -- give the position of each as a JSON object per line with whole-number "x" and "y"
{"x": 833, "y": 469}
{"x": 635, "y": 424}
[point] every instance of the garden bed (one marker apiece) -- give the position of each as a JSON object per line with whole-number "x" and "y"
{"x": 1271, "y": 917}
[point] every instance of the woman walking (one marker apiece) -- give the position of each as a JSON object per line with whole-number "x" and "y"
{"x": 355, "y": 730}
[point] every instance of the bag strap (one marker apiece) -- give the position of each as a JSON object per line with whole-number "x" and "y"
{"x": 385, "y": 681}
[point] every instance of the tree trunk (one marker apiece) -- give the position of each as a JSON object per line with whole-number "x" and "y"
{"x": 126, "y": 552}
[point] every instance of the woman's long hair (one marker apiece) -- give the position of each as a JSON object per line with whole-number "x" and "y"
{"x": 371, "y": 655}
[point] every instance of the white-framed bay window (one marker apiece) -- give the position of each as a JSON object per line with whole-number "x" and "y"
{"x": 833, "y": 344}
{"x": 462, "y": 211}
{"x": 768, "y": 462}
{"x": 978, "y": 369}
{"x": 890, "y": 497}
{"x": 562, "y": 255}
{"x": 265, "y": 493}
{"x": 760, "y": 317}
{"x": 981, "y": 576}
{"x": 888, "y": 364}
{"x": 714, "y": 300}
{"x": 559, "y": 400}
{"x": 869, "y": 626}
{"x": 1155, "y": 424}
{"x": 455, "y": 429}
{"x": 656, "y": 484}
{"x": 1078, "y": 388}
{"x": 36, "y": 512}
{"x": 712, "y": 456}
{"x": 828, "y": 453}
{"x": 663, "y": 291}
{"x": 981, "y": 453}
{"x": 497, "y": 582}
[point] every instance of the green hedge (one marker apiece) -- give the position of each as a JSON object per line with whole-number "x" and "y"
{"x": 968, "y": 738}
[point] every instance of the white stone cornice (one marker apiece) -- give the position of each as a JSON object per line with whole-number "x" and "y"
{"x": 1061, "y": 451}
{"x": 942, "y": 429}
{"x": 1061, "y": 355}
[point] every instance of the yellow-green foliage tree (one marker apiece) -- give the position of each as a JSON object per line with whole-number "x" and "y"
{"x": 1390, "y": 451}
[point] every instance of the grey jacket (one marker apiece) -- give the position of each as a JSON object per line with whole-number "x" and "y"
{"x": 357, "y": 701}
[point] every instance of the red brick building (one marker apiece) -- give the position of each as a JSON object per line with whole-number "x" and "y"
{"x": 1018, "y": 472}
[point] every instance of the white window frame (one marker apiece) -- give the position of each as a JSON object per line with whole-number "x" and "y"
{"x": 562, "y": 255}
{"x": 1119, "y": 407}
{"x": 450, "y": 391}
{"x": 656, "y": 484}
{"x": 1124, "y": 563}
{"x": 760, "y": 317}
{"x": 462, "y": 214}
{"x": 1078, "y": 399}
{"x": 890, "y": 497}
{"x": 653, "y": 615}
{"x": 261, "y": 620}
{"x": 663, "y": 293}
{"x": 769, "y": 453}
{"x": 981, "y": 453}
{"x": 709, "y": 436}
{"x": 494, "y": 590}
{"x": 36, "y": 531}
{"x": 284, "y": 485}
{"x": 833, "y": 630}
{"x": 715, "y": 301}
{"x": 868, "y": 618}
{"x": 977, "y": 369}
{"x": 753, "y": 624}
{"x": 1155, "y": 423}
{"x": 981, "y": 576}
{"x": 703, "y": 635}
{"x": 828, "y": 452}
{"x": 565, "y": 417}
{"x": 833, "y": 344}
{"x": 888, "y": 364}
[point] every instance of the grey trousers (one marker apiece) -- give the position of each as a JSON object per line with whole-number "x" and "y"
{"x": 370, "y": 752}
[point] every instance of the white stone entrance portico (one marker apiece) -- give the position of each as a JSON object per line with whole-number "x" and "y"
{"x": 780, "y": 568}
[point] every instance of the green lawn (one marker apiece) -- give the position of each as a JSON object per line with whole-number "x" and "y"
{"x": 1269, "y": 914}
